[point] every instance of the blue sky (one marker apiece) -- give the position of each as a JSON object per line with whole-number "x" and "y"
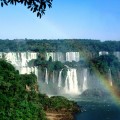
{"x": 67, "y": 19}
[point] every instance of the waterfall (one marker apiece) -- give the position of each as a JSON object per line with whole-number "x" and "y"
{"x": 110, "y": 77}
{"x": 23, "y": 59}
{"x": 19, "y": 59}
{"x": 22, "y": 70}
{"x": 71, "y": 82}
{"x": 117, "y": 54}
{"x": 72, "y": 56}
{"x": 60, "y": 79}
{"x": 53, "y": 78}
{"x": 59, "y": 56}
{"x": 84, "y": 79}
{"x": 46, "y": 76}
{"x": 36, "y": 71}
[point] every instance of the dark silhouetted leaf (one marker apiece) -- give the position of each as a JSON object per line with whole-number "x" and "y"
{"x": 1, "y": 4}
{"x": 38, "y": 14}
{"x": 38, "y": 6}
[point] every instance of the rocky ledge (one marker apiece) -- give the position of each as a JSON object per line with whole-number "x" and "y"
{"x": 62, "y": 114}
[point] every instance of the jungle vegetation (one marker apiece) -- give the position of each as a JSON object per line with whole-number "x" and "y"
{"x": 83, "y": 45}
{"x": 20, "y": 98}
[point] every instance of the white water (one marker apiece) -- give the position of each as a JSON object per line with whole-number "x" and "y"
{"x": 28, "y": 70}
{"x": 72, "y": 56}
{"x": 56, "y": 56}
{"x": 20, "y": 59}
{"x": 46, "y": 76}
{"x": 53, "y": 79}
{"x": 59, "y": 56}
{"x": 110, "y": 78}
{"x": 85, "y": 80}
{"x": 36, "y": 71}
{"x": 60, "y": 79}
{"x": 117, "y": 54}
{"x": 71, "y": 82}
{"x": 71, "y": 85}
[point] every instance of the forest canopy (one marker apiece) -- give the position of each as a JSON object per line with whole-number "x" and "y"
{"x": 86, "y": 45}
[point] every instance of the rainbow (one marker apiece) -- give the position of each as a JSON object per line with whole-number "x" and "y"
{"x": 115, "y": 95}
{"x": 111, "y": 89}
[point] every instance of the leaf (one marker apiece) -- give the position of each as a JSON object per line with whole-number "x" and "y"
{"x": 29, "y": 7}
{"x": 5, "y": 3}
{"x": 25, "y": 2}
{"x": 11, "y": 2}
{"x": 49, "y": 5}
{"x": 1, "y": 4}
{"x": 34, "y": 9}
{"x": 38, "y": 14}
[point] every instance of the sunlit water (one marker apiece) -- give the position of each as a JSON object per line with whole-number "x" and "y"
{"x": 97, "y": 109}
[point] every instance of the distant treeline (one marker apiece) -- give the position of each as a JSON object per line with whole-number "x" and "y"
{"x": 62, "y": 45}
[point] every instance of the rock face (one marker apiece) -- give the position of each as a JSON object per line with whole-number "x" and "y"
{"x": 61, "y": 115}
{"x": 95, "y": 93}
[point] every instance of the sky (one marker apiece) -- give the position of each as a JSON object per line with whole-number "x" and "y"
{"x": 67, "y": 19}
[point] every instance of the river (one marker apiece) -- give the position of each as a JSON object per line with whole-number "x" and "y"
{"x": 97, "y": 109}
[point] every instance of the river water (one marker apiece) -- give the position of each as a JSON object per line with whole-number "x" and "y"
{"x": 97, "y": 109}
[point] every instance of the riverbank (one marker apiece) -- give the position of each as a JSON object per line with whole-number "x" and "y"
{"x": 59, "y": 115}
{"x": 62, "y": 114}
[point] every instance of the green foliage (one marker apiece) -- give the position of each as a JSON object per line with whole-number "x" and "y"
{"x": 56, "y": 103}
{"x": 59, "y": 102}
{"x": 105, "y": 63}
{"x": 4, "y": 66}
{"x": 38, "y": 6}
{"x": 50, "y": 59}
{"x": 58, "y": 65}
{"x": 55, "y": 65}
{"x": 40, "y": 62}
{"x": 29, "y": 80}
{"x": 87, "y": 48}
{"x": 16, "y": 103}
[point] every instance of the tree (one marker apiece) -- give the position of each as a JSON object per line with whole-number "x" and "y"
{"x": 38, "y": 6}
{"x": 16, "y": 102}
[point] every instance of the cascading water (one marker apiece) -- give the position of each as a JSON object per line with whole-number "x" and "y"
{"x": 72, "y": 56}
{"x": 20, "y": 59}
{"x": 46, "y": 76}
{"x": 68, "y": 85}
{"x": 36, "y": 71}
{"x": 117, "y": 54}
{"x": 71, "y": 82}
{"x": 60, "y": 79}
{"x": 28, "y": 70}
{"x": 23, "y": 59}
{"x": 110, "y": 77}
{"x": 59, "y": 56}
{"x": 84, "y": 80}
{"x": 53, "y": 77}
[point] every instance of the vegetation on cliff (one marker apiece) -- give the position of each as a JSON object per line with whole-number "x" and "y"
{"x": 17, "y": 103}
{"x": 107, "y": 64}
{"x": 20, "y": 98}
